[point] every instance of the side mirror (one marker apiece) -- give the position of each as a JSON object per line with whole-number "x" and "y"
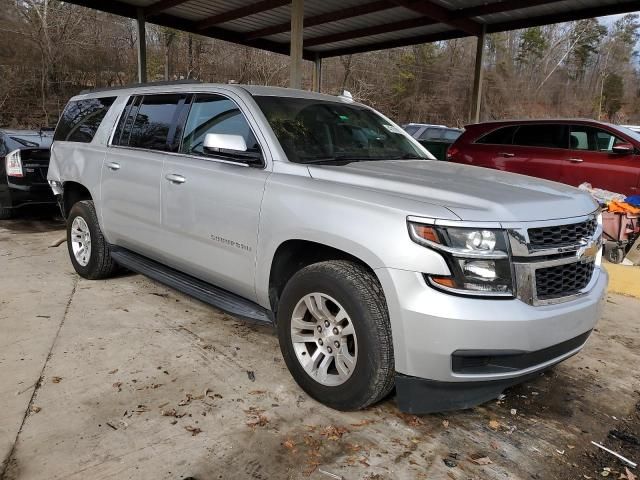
{"x": 220, "y": 142}
{"x": 231, "y": 146}
{"x": 623, "y": 149}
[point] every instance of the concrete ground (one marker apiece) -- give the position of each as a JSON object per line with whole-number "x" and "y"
{"x": 126, "y": 378}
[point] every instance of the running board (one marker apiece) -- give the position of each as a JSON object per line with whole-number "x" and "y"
{"x": 203, "y": 291}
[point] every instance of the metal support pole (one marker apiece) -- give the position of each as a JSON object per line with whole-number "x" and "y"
{"x": 317, "y": 74}
{"x": 142, "y": 48}
{"x": 478, "y": 74}
{"x": 297, "y": 30}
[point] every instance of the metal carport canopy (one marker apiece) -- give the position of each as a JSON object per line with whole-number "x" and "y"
{"x": 316, "y": 29}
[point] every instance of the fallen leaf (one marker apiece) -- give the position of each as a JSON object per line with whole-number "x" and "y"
{"x": 482, "y": 460}
{"x": 513, "y": 411}
{"x": 251, "y": 375}
{"x": 445, "y": 423}
{"x": 117, "y": 385}
{"x": 362, "y": 423}
{"x": 56, "y": 379}
{"x": 257, "y": 392}
{"x": 494, "y": 424}
{"x": 186, "y": 400}
{"x": 194, "y": 430}
{"x": 289, "y": 445}
{"x": 630, "y": 476}
{"x": 115, "y": 370}
{"x": 259, "y": 421}
{"x": 333, "y": 433}
{"x": 35, "y": 408}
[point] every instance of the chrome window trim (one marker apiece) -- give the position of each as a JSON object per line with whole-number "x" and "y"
{"x": 263, "y": 166}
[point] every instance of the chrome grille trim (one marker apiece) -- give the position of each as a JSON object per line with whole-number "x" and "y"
{"x": 528, "y": 258}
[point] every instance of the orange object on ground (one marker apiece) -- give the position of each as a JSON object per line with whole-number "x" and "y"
{"x": 622, "y": 207}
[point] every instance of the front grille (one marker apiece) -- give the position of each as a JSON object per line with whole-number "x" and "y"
{"x": 561, "y": 235}
{"x": 563, "y": 280}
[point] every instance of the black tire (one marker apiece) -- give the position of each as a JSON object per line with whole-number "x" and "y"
{"x": 358, "y": 291}
{"x": 616, "y": 255}
{"x": 100, "y": 264}
{"x": 6, "y": 213}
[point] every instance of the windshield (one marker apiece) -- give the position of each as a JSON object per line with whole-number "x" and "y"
{"x": 317, "y": 131}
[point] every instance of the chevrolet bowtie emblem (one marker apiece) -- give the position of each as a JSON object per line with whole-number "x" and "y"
{"x": 589, "y": 249}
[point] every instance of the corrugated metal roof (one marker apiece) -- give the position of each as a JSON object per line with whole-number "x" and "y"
{"x": 347, "y": 26}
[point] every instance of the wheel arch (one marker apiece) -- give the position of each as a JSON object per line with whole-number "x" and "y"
{"x": 73, "y": 193}
{"x": 294, "y": 254}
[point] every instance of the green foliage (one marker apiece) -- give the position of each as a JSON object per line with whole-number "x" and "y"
{"x": 533, "y": 45}
{"x": 625, "y": 35}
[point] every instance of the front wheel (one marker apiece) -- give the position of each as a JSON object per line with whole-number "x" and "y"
{"x": 88, "y": 249}
{"x": 335, "y": 335}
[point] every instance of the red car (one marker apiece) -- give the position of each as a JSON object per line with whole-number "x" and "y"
{"x": 568, "y": 151}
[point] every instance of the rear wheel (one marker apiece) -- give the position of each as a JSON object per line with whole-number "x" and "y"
{"x": 88, "y": 249}
{"x": 335, "y": 334}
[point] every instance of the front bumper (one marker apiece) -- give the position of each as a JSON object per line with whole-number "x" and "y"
{"x": 429, "y": 326}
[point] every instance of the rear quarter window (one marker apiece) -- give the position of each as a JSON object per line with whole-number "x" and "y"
{"x": 501, "y": 136}
{"x": 81, "y": 118}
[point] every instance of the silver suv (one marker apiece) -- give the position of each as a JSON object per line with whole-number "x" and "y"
{"x": 378, "y": 266}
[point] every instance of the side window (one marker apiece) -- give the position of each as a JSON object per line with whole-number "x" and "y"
{"x": 3, "y": 146}
{"x": 542, "y": 135}
{"x": 432, "y": 134}
{"x": 214, "y": 114}
{"x": 579, "y": 137}
{"x": 593, "y": 139}
{"x": 80, "y": 120}
{"x": 606, "y": 141}
{"x": 156, "y": 122}
{"x": 501, "y": 136}
{"x": 123, "y": 130}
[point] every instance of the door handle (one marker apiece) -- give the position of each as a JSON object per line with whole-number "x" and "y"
{"x": 113, "y": 166}
{"x": 175, "y": 178}
{"x": 507, "y": 154}
{"x": 576, "y": 160}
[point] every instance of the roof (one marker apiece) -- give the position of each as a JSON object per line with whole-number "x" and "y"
{"x": 339, "y": 27}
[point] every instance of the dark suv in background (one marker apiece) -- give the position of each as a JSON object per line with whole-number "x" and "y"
{"x": 24, "y": 161}
{"x": 435, "y": 138}
{"x": 569, "y": 151}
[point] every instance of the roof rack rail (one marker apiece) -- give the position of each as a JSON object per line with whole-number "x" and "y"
{"x": 134, "y": 85}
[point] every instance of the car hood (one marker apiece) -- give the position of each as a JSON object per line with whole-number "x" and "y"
{"x": 471, "y": 193}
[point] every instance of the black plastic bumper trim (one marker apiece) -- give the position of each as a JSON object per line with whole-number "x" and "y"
{"x": 498, "y": 361}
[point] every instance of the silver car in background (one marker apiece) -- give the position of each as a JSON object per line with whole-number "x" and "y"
{"x": 378, "y": 266}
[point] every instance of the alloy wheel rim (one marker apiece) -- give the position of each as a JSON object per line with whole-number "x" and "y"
{"x": 81, "y": 241}
{"x": 324, "y": 339}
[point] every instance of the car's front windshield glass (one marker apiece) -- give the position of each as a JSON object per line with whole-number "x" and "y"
{"x": 317, "y": 131}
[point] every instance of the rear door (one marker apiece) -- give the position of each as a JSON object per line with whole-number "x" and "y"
{"x": 592, "y": 160}
{"x": 211, "y": 203}
{"x": 132, "y": 171}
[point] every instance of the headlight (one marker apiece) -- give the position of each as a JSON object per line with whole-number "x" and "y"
{"x": 478, "y": 259}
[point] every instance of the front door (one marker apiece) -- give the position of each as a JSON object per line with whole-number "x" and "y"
{"x": 592, "y": 160}
{"x": 211, "y": 203}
